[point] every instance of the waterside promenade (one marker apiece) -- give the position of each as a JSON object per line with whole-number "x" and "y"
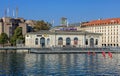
{"x": 59, "y": 50}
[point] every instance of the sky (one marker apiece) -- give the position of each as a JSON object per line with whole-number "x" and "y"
{"x": 74, "y": 10}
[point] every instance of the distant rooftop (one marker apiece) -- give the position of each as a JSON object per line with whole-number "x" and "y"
{"x": 70, "y": 25}
{"x": 74, "y": 24}
{"x": 108, "y": 21}
{"x": 66, "y": 27}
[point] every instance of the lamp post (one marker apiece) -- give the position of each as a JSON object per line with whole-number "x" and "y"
{"x": 85, "y": 40}
{"x": 55, "y": 38}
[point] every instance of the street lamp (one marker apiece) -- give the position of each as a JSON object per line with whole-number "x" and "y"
{"x": 55, "y": 38}
{"x": 85, "y": 39}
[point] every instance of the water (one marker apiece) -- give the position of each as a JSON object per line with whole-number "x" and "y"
{"x": 22, "y": 64}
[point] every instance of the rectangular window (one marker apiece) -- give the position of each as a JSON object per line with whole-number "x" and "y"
{"x": 96, "y": 42}
{"x": 36, "y": 41}
{"x": 86, "y": 41}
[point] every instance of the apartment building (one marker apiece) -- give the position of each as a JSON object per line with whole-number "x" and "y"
{"x": 110, "y": 28}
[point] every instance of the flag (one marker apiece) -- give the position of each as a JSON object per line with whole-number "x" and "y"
{"x": 103, "y": 53}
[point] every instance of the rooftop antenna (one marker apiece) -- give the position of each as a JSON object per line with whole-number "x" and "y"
{"x": 5, "y": 12}
{"x": 13, "y": 13}
{"x": 53, "y": 23}
{"x": 8, "y": 10}
{"x": 16, "y": 12}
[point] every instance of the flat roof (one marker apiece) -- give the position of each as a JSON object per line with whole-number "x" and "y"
{"x": 65, "y": 32}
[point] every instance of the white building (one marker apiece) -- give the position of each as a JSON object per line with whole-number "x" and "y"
{"x": 62, "y": 38}
{"x": 110, "y": 28}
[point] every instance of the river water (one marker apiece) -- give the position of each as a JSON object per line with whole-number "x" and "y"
{"x": 23, "y": 64}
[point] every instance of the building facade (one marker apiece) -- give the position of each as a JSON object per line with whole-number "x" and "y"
{"x": 110, "y": 28}
{"x": 8, "y": 25}
{"x": 62, "y": 38}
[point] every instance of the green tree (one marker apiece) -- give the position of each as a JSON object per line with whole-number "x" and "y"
{"x": 17, "y": 36}
{"x": 3, "y": 39}
{"x": 42, "y": 25}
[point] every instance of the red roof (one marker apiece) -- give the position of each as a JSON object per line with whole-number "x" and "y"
{"x": 103, "y": 22}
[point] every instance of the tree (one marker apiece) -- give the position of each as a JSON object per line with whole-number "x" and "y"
{"x": 3, "y": 38}
{"x": 17, "y": 36}
{"x": 41, "y": 25}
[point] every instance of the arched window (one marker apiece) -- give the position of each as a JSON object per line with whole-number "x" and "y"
{"x": 91, "y": 42}
{"x": 36, "y": 41}
{"x": 75, "y": 41}
{"x": 48, "y": 41}
{"x": 60, "y": 41}
{"x": 68, "y": 41}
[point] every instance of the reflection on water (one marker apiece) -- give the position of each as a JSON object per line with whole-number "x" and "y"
{"x": 58, "y": 65}
{"x": 12, "y": 64}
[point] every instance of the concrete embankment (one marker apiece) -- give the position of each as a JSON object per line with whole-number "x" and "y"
{"x": 70, "y": 50}
{"x": 14, "y": 51}
{"x": 55, "y": 50}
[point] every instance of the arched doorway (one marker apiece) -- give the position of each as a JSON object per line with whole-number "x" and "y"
{"x": 68, "y": 41}
{"x": 60, "y": 41}
{"x": 42, "y": 42}
{"x": 75, "y": 41}
{"x": 91, "y": 42}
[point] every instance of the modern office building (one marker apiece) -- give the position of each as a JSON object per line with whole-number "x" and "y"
{"x": 110, "y": 28}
